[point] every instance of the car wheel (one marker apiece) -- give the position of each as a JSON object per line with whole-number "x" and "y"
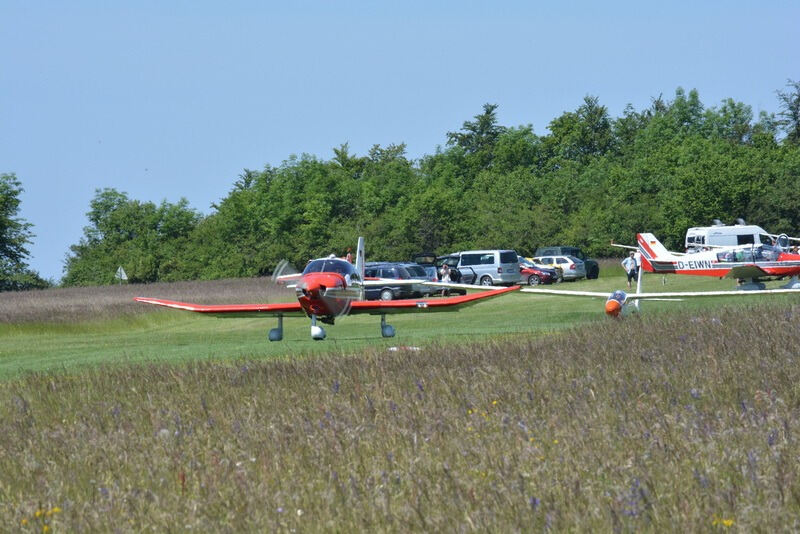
{"x": 387, "y": 294}
{"x": 594, "y": 272}
{"x": 533, "y": 280}
{"x": 486, "y": 281}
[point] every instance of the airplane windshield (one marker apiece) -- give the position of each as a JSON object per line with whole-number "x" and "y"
{"x": 330, "y": 265}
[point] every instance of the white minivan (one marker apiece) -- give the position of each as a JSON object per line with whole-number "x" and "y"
{"x": 489, "y": 267}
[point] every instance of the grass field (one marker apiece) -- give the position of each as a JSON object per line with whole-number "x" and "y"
{"x": 64, "y": 328}
{"x": 520, "y": 413}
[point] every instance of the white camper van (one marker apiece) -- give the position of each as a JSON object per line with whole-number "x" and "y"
{"x": 701, "y": 237}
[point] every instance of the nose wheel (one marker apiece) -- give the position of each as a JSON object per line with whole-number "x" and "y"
{"x": 317, "y": 332}
{"x": 387, "y": 330}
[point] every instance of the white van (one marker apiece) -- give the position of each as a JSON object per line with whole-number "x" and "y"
{"x": 700, "y": 237}
{"x": 488, "y": 267}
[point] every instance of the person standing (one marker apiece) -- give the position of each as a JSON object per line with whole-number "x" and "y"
{"x": 445, "y": 277}
{"x": 629, "y": 264}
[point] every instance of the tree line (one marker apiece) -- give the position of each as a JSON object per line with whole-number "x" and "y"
{"x": 592, "y": 179}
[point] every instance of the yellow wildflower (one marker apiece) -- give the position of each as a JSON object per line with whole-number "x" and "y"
{"x": 24, "y": 521}
{"x": 45, "y": 529}
{"x": 494, "y": 403}
{"x": 56, "y": 510}
{"x": 39, "y": 513}
{"x": 555, "y": 442}
{"x": 722, "y": 521}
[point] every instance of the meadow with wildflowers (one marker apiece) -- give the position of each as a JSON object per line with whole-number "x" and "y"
{"x": 683, "y": 418}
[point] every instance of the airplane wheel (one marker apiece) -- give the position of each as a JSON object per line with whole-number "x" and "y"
{"x": 387, "y": 294}
{"x": 387, "y": 331}
{"x": 533, "y": 280}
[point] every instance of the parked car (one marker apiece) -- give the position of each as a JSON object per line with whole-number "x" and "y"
{"x": 572, "y": 267}
{"x": 388, "y": 291}
{"x": 484, "y": 267}
{"x": 427, "y": 260}
{"x": 592, "y": 268}
{"x": 534, "y": 275}
{"x": 556, "y": 268}
{"x": 420, "y": 272}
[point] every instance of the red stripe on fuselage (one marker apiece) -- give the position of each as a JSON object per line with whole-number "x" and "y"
{"x": 645, "y": 247}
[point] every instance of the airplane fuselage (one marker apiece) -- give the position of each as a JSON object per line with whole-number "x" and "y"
{"x": 316, "y": 293}
{"x": 737, "y": 262}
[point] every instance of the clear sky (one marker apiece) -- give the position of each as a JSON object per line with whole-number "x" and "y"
{"x": 165, "y": 100}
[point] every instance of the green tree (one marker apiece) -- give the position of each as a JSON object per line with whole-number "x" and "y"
{"x": 146, "y": 239}
{"x": 15, "y": 235}
{"x": 790, "y": 112}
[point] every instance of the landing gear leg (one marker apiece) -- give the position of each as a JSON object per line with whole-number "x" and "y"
{"x": 317, "y": 332}
{"x": 387, "y": 330}
{"x": 793, "y": 283}
{"x": 276, "y": 334}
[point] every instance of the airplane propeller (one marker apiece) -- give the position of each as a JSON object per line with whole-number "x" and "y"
{"x": 284, "y": 272}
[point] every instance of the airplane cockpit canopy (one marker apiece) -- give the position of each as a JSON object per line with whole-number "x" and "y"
{"x": 331, "y": 265}
{"x": 752, "y": 254}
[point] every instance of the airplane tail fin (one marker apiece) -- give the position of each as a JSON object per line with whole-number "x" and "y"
{"x": 360, "y": 262}
{"x": 652, "y": 250}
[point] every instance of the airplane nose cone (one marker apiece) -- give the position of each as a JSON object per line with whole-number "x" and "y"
{"x": 613, "y": 307}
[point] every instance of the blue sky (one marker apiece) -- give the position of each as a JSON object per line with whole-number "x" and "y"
{"x": 165, "y": 100}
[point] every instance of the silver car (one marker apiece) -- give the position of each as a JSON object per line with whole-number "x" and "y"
{"x": 572, "y": 267}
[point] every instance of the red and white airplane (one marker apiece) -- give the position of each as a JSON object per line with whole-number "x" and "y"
{"x": 741, "y": 262}
{"x": 329, "y": 288}
{"x": 751, "y": 262}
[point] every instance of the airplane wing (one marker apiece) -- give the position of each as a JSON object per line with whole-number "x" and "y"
{"x": 232, "y": 310}
{"x": 734, "y": 293}
{"x": 381, "y": 282}
{"x": 454, "y": 285}
{"x": 746, "y": 271}
{"x": 379, "y": 307}
{"x": 566, "y": 292}
{"x": 658, "y": 296}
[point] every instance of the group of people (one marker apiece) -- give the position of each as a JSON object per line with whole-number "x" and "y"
{"x": 632, "y": 264}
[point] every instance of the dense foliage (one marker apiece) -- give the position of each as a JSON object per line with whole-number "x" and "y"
{"x": 15, "y": 235}
{"x": 590, "y": 180}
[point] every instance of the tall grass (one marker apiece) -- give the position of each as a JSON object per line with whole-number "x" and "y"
{"x": 65, "y": 305}
{"x": 670, "y": 423}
